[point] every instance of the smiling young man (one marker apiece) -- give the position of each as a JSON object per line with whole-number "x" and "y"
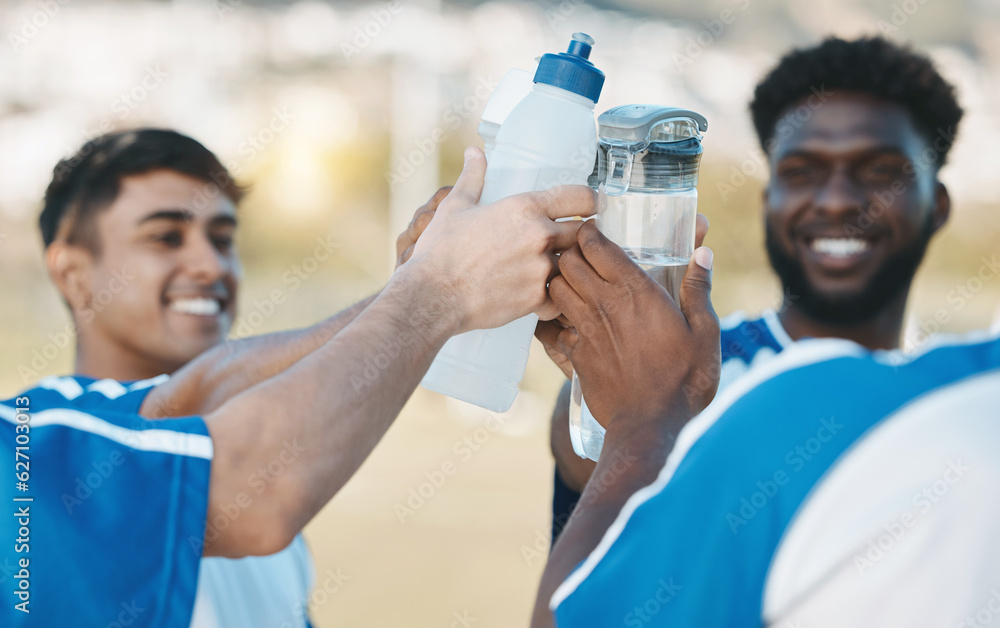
{"x": 139, "y": 240}
{"x": 832, "y": 486}
{"x": 139, "y": 233}
{"x": 124, "y": 214}
{"x": 855, "y": 133}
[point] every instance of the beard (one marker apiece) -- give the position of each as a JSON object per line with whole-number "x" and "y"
{"x": 892, "y": 278}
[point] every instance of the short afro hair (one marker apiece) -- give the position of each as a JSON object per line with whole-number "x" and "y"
{"x": 90, "y": 180}
{"x": 870, "y": 65}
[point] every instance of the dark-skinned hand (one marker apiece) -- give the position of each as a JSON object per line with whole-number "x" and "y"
{"x": 547, "y": 332}
{"x": 640, "y": 356}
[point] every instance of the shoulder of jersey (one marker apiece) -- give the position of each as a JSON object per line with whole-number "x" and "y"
{"x": 75, "y": 391}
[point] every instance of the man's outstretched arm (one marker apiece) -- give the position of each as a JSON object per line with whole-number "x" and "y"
{"x": 227, "y": 370}
{"x": 645, "y": 363}
{"x": 474, "y": 267}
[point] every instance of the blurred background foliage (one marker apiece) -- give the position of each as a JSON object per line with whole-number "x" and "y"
{"x": 375, "y": 102}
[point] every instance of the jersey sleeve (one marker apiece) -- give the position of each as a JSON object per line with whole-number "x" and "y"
{"x": 113, "y": 515}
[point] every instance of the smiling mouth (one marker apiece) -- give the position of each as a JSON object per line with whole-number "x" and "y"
{"x": 840, "y": 248}
{"x": 196, "y": 306}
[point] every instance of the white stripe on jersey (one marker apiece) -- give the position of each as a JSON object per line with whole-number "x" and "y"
{"x": 69, "y": 388}
{"x": 770, "y": 318}
{"x": 110, "y": 388}
{"x": 148, "y": 383}
{"x": 65, "y": 386}
{"x": 161, "y": 440}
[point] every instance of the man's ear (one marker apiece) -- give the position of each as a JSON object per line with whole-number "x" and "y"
{"x": 69, "y": 268}
{"x": 942, "y": 205}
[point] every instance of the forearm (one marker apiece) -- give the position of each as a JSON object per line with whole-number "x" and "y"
{"x": 330, "y": 409}
{"x": 230, "y": 368}
{"x": 626, "y": 465}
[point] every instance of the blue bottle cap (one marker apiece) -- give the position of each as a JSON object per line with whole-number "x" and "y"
{"x": 571, "y": 70}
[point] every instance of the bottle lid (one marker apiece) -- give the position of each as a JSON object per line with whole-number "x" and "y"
{"x": 648, "y": 148}
{"x": 635, "y": 123}
{"x": 571, "y": 70}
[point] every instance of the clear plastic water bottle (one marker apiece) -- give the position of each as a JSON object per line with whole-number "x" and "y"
{"x": 646, "y": 175}
{"x": 548, "y": 139}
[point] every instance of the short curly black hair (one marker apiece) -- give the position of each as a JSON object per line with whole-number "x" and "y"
{"x": 871, "y": 65}
{"x": 89, "y": 181}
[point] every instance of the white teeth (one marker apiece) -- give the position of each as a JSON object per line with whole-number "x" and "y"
{"x": 197, "y": 306}
{"x": 840, "y": 247}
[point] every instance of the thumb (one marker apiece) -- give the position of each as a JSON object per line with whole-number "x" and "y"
{"x": 696, "y": 293}
{"x": 469, "y": 187}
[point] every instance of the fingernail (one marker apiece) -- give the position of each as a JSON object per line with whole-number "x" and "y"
{"x": 703, "y": 257}
{"x": 469, "y": 152}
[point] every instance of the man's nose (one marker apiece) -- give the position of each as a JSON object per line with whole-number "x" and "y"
{"x": 840, "y": 195}
{"x": 204, "y": 262}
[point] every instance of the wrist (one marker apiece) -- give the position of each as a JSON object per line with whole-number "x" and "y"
{"x": 630, "y": 460}
{"x": 428, "y": 300}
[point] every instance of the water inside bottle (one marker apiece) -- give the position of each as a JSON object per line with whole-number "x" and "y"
{"x": 666, "y": 270}
{"x": 586, "y": 433}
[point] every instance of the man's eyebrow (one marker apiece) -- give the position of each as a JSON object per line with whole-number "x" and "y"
{"x": 868, "y": 151}
{"x": 222, "y": 220}
{"x": 175, "y": 215}
{"x": 184, "y": 215}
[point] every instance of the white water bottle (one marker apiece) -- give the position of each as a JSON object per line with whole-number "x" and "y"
{"x": 549, "y": 139}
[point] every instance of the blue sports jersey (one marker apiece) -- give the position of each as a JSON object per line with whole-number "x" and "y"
{"x": 106, "y": 515}
{"x": 696, "y": 547}
{"x": 745, "y": 343}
